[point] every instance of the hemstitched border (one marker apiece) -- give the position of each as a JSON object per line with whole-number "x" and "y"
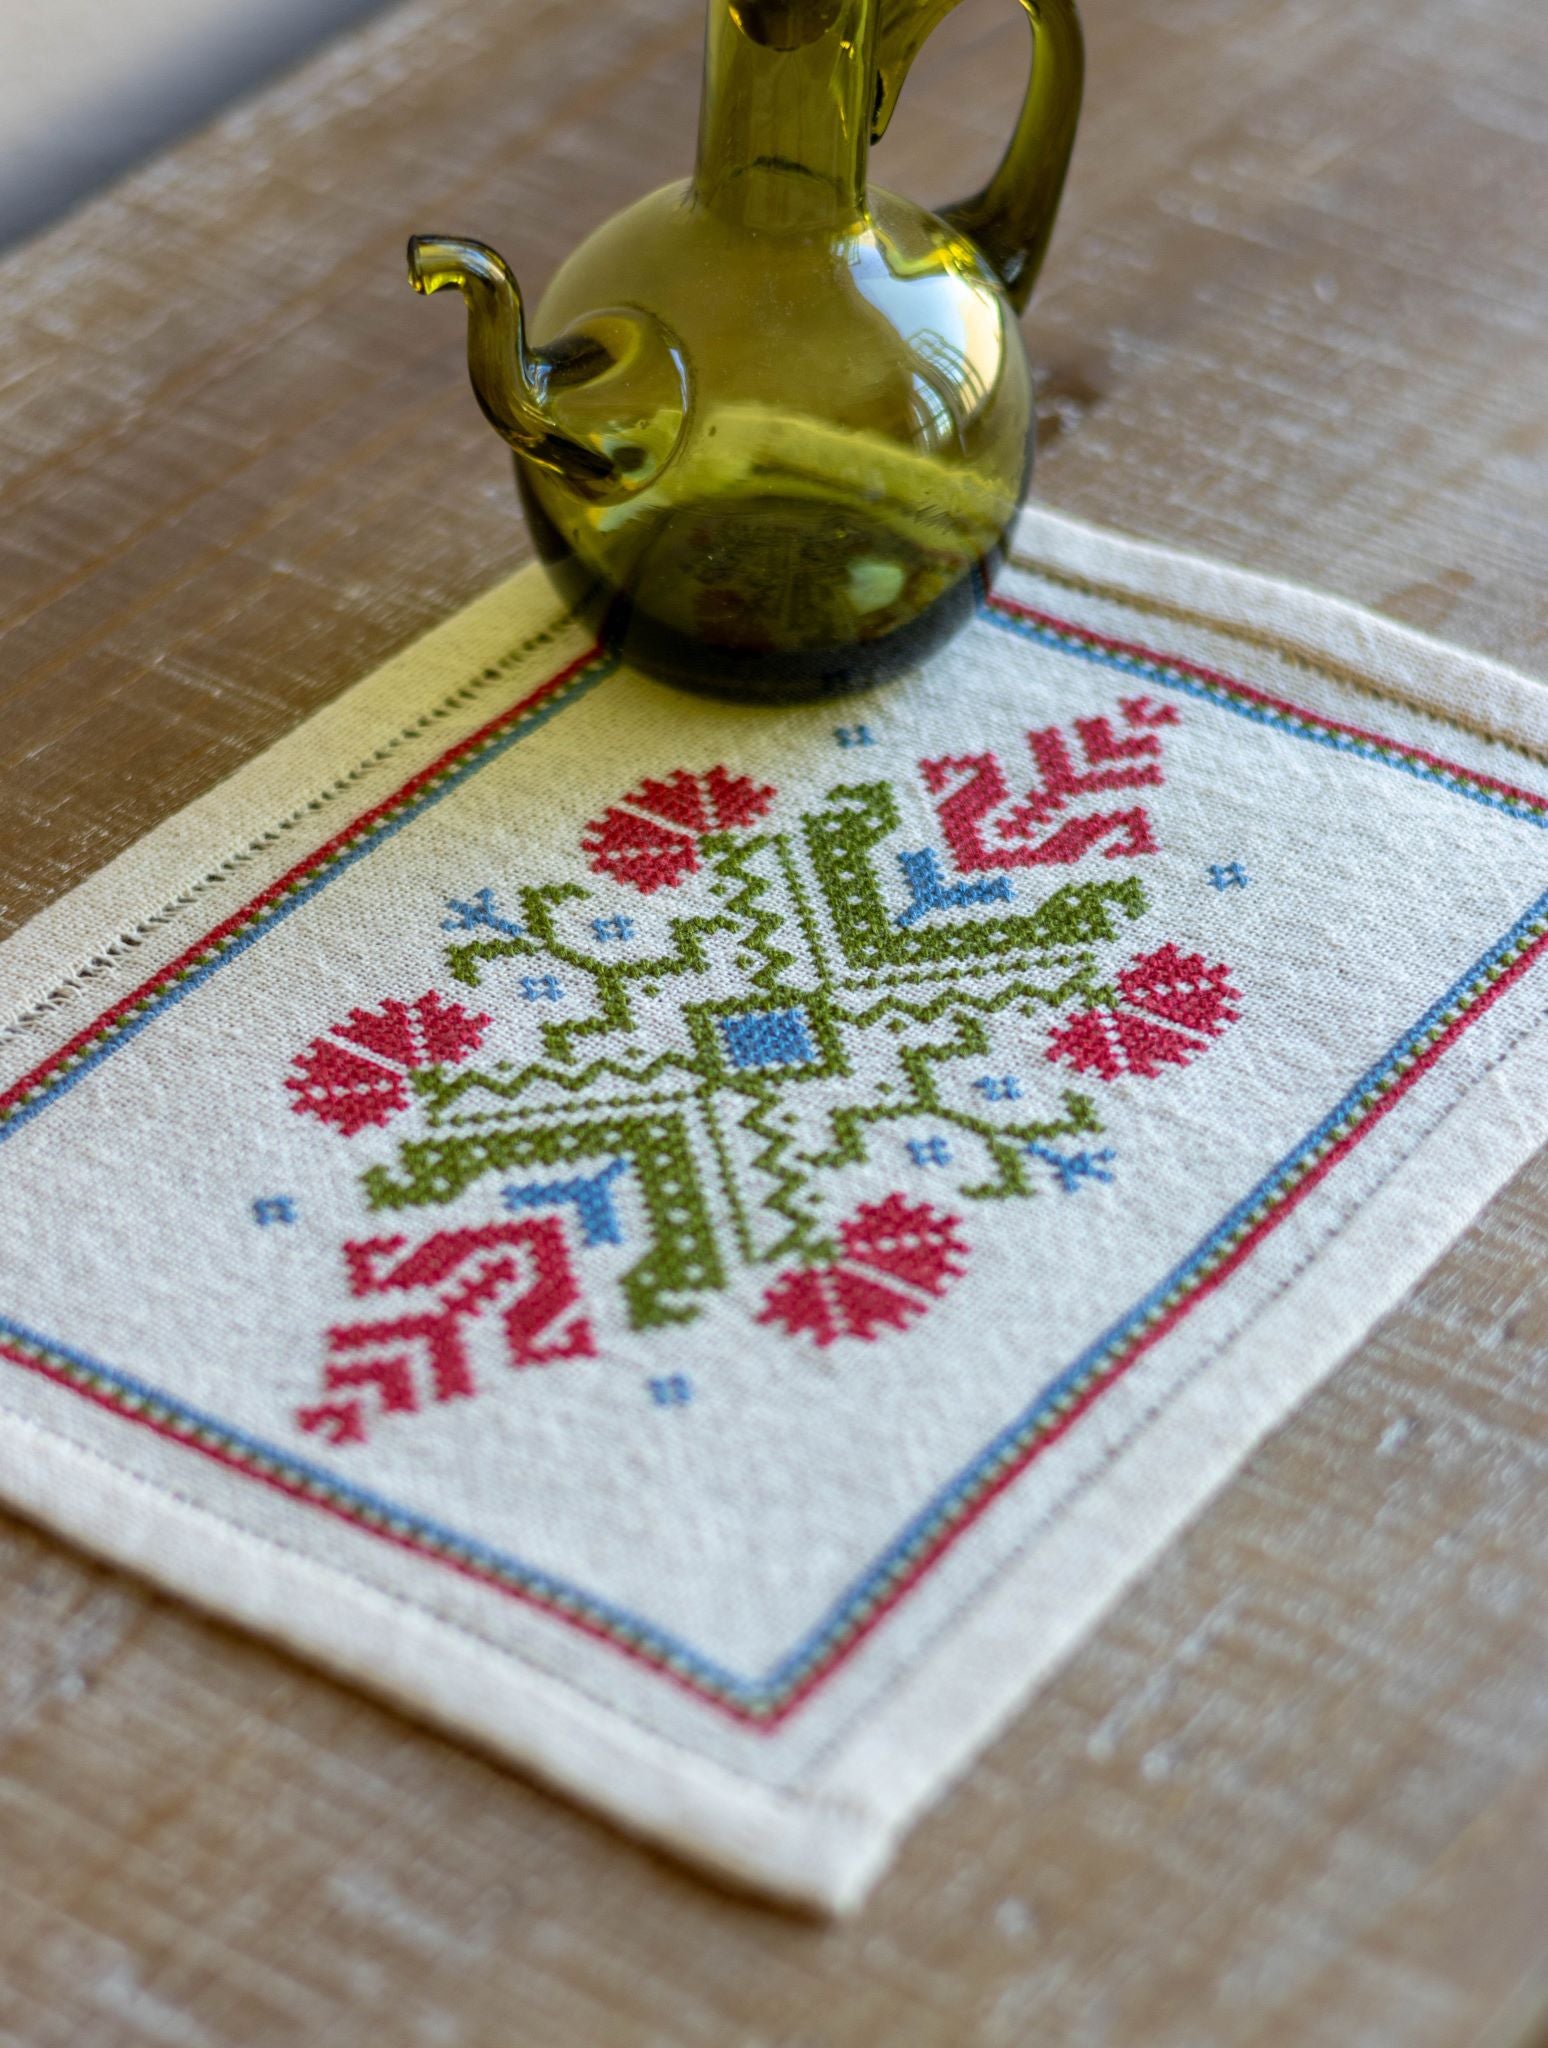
{"x": 763, "y": 1703}
{"x": 493, "y": 671}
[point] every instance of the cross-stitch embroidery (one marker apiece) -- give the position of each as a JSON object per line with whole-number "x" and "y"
{"x": 1035, "y": 833}
{"x": 727, "y": 1062}
{"x": 601, "y": 1207}
{"x": 1167, "y": 1008}
{"x": 357, "y": 1075}
{"x": 650, "y": 837}
{"x": 516, "y": 1273}
{"x": 893, "y": 1260}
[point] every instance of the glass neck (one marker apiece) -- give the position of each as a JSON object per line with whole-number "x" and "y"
{"x": 784, "y": 131}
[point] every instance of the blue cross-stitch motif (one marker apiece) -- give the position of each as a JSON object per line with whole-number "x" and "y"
{"x": 854, "y": 736}
{"x": 768, "y": 1038}
{"x": 928, "y": 891}
{"x": 538, "y": 988}
{"x": 592, "y": 1195}
{"x": 672, "y": 1390}
{"x": 1074, "y": 1167}
{"x": 1229, "y": 875}
{"x": 929, "y": 1151}
{"x": 613, "y": 927}
{"x": 274, "y": 1209}
{"x": 1004, "y": 1088}
{"x": 479, "y": 914}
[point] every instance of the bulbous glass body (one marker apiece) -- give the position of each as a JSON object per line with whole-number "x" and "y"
{"x": 857, "y": 438}
{"x": 769, "y": 423}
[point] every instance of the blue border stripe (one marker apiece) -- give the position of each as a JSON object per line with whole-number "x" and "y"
{"x": 1259, "y": 714}
{"x": 303, "y": 1470}
{"x": 665, "y": 1646}
{"x": 339, "y": 864}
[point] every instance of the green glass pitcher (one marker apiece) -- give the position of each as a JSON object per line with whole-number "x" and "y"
{"x": 769, "y": 422}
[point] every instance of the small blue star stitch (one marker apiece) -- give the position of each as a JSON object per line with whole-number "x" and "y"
{"x": 1074, "y": 1167}
{"x": 673, "y": 1390}
{"x": 1001, "y": 1088}
{"x": 929, "y": 1151}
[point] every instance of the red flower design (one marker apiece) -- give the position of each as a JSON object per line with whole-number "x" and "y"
{"x": 364, "y": 1081}
{"x": 650, "y": 837}
{"x": 897, "y": 1256}
{"x": 426, "y": 1033}
{"x": 911, "y": 1241}
{"x": 1169, "y": 1006}
{"x": 1182, "y": 989}
{"x": 343, "y": 1089}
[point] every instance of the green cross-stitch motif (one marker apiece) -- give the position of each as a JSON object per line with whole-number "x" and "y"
{"x": 788, "y": 972}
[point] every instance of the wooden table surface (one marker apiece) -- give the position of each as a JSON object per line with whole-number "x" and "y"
{"x": 89, "y": 87}
{"x": 1296, "y": 1789}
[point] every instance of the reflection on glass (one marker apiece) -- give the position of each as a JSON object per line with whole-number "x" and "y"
{"x": 769, "y": 421}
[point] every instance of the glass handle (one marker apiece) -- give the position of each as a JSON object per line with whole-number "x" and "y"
{"x": 1012, "y": 218}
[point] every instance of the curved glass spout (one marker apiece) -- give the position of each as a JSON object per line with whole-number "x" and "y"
{"x": 602, "y": 407}
{"x": 509, "y": 381}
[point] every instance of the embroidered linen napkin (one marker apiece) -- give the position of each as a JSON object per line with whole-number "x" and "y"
{"x": 700, "y": 1246}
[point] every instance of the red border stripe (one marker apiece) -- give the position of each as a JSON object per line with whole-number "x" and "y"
{"x": 945, "y": 1538}
{"x": 302, "y": 869}
{"x": 1135, "y": 651}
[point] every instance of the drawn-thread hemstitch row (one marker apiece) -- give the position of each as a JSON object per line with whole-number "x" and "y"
{"x": 765, "y": 1702}
{"x": 127, "y": 941}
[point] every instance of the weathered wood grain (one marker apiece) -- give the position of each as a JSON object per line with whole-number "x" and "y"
{"x": 1296, "y": 1789}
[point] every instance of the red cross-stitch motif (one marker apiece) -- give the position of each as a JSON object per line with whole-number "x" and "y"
{"x": 1170, "y": 1004}
{"x": 356, "y": 1075}
{"x": 896, "y": 1257}
{"x": 1034, "y": 832}
{"x": 650, "y": 837}
{"x": 518, "y": 1274}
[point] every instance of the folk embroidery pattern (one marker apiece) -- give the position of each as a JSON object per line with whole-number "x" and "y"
{"x": 1034, "y": 831}
{"x": 358, "y": 1074}
{"x": 516, "y": 1273}
{"x": 1167, "y": 1007}
{"x": 816, "y": 984}
{"x": 764, "y": 1700}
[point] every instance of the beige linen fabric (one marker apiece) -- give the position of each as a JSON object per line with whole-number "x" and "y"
{"x": 701, "y": 1247}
